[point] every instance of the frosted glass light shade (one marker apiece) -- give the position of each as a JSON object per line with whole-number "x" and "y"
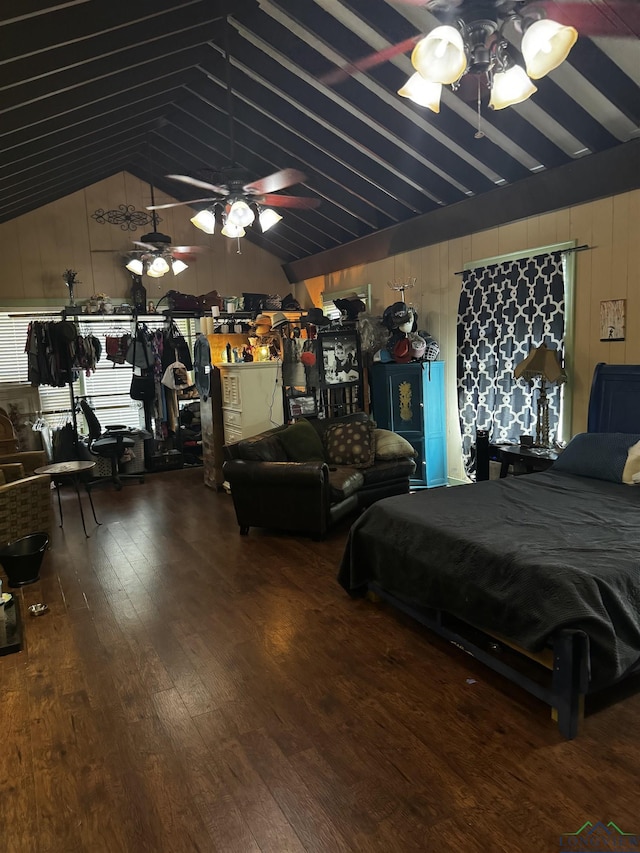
{"x": 135, "y": 266}
{"x": 440, "y": 57}
{"x": 510, "y": 87}
{"x": 240, "y": 214}
{"x": 545, "y": 45}
{"x": 160, "y": 265}
{"x": 178, "y": 266}
{"x": 205, "y": 221}
{"x": 268, "y": 217}
{"x": 422, "y": 92}
{"x": 231, "y": 230}
{"x": 154, "y": 273}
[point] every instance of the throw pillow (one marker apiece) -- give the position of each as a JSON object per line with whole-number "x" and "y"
{"x": 601, "y": 455}
{"x": 301, "y": 442}
{"x": 390, "y": 445}
{"x": 351, "y": 444}
{"x": 631, "y": 472}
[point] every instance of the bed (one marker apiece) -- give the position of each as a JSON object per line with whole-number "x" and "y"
{"x": 546, "y": 564}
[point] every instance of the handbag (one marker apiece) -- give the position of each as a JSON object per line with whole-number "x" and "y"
{"x": 143, "y": 387}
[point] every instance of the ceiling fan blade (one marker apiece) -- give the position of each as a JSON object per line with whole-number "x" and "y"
{"x": 148, "y": 246}
{"x": 178, "y": 203}
{"x": 275, "y": 182}
{"x": 370, "y": 61}
{"x": 203, "y": 185}
{"x": 188, "y": 250}
{"x": 289, "y": 201}
{"x": 611, "y": 18}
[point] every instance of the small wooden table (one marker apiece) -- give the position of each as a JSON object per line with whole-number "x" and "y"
{"x": 72, "y": 470}
{"x": 533, "y": 458}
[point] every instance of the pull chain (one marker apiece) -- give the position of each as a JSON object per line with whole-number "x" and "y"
{"x": 479, "y": 134}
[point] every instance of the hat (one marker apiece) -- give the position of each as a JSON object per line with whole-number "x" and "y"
{"x": 278, "y": 319}
{"x": 315, "y": 317}
{"x": 418, "y": 347}
{"x": 395, "y": 315}
{"x": 402, "y": 351}
{"x": 352, "y": 306}
{"x": 262, "y": 330}
{"x": 432, "y": 350}
{"x": 263, "y": 319}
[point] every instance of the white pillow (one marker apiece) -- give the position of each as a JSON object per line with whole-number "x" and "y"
{"x": 631, "y": 471}
{"x": 390, "y": 445}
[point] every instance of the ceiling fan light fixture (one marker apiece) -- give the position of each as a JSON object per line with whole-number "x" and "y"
{"x": 268, "y": 217}
{"x": 205, "y": 221}
{"x": 159, "y": 265}
{"x": 135, "y": 266}
{"x": 233, "y": 231}
{"x": 440, "y": 56}
{"x": 154, "y": 273}
{"x": 509, "y": 87}
{"x": 545, "y": 45}
{"x": 240, "y": 214}
{"x": 178, "y": 266}
{"x": 422, "y": 92}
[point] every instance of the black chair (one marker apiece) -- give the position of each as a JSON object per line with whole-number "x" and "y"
{"x": 109, "y": 444}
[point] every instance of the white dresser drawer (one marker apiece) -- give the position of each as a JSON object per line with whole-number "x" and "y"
{"x": 231, "y": 434}
{"x": 231, "y": 395}
{"x": 231, "y": 418}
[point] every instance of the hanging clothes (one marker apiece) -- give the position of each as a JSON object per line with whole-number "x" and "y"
{"x": 202, "y": 365}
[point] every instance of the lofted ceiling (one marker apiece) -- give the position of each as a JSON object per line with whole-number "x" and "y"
{"x": 89, "y": 89}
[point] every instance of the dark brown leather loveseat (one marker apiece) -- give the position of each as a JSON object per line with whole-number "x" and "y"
{"x": 272, "y": 491}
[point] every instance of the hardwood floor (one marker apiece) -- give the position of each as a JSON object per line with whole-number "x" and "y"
{"x": 194, "y": 690}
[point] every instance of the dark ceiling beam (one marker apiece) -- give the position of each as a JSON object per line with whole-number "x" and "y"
{"x": 607, "y": 173}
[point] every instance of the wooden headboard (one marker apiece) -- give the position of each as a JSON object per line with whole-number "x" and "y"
{"x": 614, "y": 404}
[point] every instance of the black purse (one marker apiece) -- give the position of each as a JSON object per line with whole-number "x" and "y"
{"x": 143, "y": 387}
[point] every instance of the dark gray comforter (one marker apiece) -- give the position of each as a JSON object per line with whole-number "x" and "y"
{"x": 523, "y": 556}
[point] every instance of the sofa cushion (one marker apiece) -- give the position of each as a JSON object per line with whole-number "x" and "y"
{"x": 344, "y": 481}
{"x": 388, "y": 469}
{"x": 390, "y": 445}
{"x": 301, "y": 442}
{"x": 261, "y": 448}
{"x": 351, "y": 444}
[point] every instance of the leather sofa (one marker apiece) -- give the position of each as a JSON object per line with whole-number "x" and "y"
{"x": 270, "y": 490}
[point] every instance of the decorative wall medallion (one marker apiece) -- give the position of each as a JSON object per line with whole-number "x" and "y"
{"x": 126, "y": 216}
{"x": 404, "y": 389}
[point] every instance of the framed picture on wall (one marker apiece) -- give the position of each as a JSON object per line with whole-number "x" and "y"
{"x": 340, "y": 363}
{"x": 612, "y": 318}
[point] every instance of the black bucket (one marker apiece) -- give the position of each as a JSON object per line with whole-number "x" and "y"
{"x": 22, "y": 559}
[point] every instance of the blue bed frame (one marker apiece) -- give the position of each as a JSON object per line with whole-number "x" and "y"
{"x": 614, "y": 406}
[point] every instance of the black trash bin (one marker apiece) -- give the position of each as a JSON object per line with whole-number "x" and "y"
{"x": 22, "y": 559}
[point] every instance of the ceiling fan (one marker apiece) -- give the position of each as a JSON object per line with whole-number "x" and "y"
{"x": 235, "y": 203}
{"x": 156, "y": 256}
{"x": 472, "y": 45}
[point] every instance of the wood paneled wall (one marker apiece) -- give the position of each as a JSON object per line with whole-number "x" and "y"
{"x": 609, "y": 270}
{"x": 40, "y": 245}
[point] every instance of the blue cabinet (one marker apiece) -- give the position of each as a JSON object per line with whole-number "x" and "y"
{"x": 409, "y": 400}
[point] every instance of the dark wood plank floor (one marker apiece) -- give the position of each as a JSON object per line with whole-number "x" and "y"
{"x": 194, "y": 690}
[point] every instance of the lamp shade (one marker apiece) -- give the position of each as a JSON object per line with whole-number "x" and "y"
{"x": 510, "y": 87}
{"x": 543, "y": 362}
{"x": 231, "y": 230}
{"x": 422, "y": 92}
{"x": 545, "y": 45}
{"x": 178, "y": 266}
{"x": 154, "y": 273}
{"x": 135, "y": 266}
{"x": 440, "y": 56}
{"x": 159, "y": 265}
{"x": 240, "y": 214}
{"x": 205, "y": 221}
{"x": 268, "y": 217}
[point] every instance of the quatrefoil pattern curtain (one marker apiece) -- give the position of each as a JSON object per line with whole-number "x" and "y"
{"x": 505, "y": 310}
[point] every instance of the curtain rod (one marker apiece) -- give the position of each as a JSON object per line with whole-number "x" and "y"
{"x": 38, "y": 314}
{"x": 562, "y": 251}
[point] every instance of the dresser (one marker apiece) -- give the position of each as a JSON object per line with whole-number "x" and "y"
{"x": 251, "y": 398}
{"x": 408, "y": 399}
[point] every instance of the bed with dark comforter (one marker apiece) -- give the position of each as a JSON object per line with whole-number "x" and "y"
{"x": 523, "y": 557}
{"x": 548, "y": 562}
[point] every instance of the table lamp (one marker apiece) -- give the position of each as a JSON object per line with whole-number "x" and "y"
{"x": 542, "y": 363}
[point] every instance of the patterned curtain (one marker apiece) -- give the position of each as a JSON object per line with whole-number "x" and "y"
{"x": 505, "y": 310}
